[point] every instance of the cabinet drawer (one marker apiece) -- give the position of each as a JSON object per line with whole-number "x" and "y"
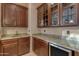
{"x": 9, "y": 41}
{"x": 41, "y": 42}
{"x": 25, "y": 39}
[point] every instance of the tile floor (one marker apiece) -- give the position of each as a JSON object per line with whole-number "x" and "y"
{"x": 30, "y": 54}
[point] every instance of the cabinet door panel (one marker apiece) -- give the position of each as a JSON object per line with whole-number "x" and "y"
{"x": 23, "y": 45}
{"x": 23, "y": 49}
{"x": 43, "y": 15}
{"x": 36, "y": 48}
{"x": 14, "y": 15}
{"x": 68, "y": 13}
{"x": 43, "y": 45}
{"x": 21, "y": 17}
{"x": 9, "y": 16}
{"x": 44, "y": 50}
{"x": 40, "y": 47}
{"x": 10, "y": 49}
{"x": 76, "y": 53}
{"x": 1, "y": 53}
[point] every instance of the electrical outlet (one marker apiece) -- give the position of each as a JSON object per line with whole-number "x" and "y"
{"x": 29, "y": 30}
{"x": 68, "y": 32}
{"x": 44, "y": 30}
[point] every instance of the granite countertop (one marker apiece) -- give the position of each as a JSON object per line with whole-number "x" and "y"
{"x": 11, "y": 36}
{"x": 57, "y": 41}
{"x": 49, "y": 38}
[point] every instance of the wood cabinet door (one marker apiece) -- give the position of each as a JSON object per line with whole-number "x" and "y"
{"x": 8, "y": 15}
{"x": 1, "y": 53}
{"x": 44, "y": 15}
{"x": 23, "y": 45}
{"x": 10, "y": 49}
{"x": 36, "y": 46}
{"x": 40, "y": 47}
{"x": 68, "y": 14}
{"x": 21, "y": 16}
{"x": 43, "y": 46}
{"x": 76, "y": 53}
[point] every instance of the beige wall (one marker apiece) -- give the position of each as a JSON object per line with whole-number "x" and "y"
{"x": 32, "y": 18}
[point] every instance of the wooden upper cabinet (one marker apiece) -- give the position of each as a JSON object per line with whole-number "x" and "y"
{"x": 69, "y": 14}
{"x": 43, "y": 15}
{"x": 55, "y": 14}
{"x": 14, "y": 15}
{"x": 58, "y": 14}
{"x": 22, "y": 16}
{"x": 8, "y": 15}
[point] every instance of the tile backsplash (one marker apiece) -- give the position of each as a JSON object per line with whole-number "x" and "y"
{"x": 12, "y": 30}
{"x": 59, "y": 30}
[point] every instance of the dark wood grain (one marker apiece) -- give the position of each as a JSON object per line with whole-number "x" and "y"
{"x": 23, "y": 45}
{"x": 14, "y": 15}
{"x": 40, "y": 47}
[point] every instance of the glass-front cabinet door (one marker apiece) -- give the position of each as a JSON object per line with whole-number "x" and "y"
{"x": 58, "y": 14}
{"x": 43, "y": 15}
{"x": 55, "y": 14}
{"x": 68, "y": 14}
{"x": 40, "y": 16}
